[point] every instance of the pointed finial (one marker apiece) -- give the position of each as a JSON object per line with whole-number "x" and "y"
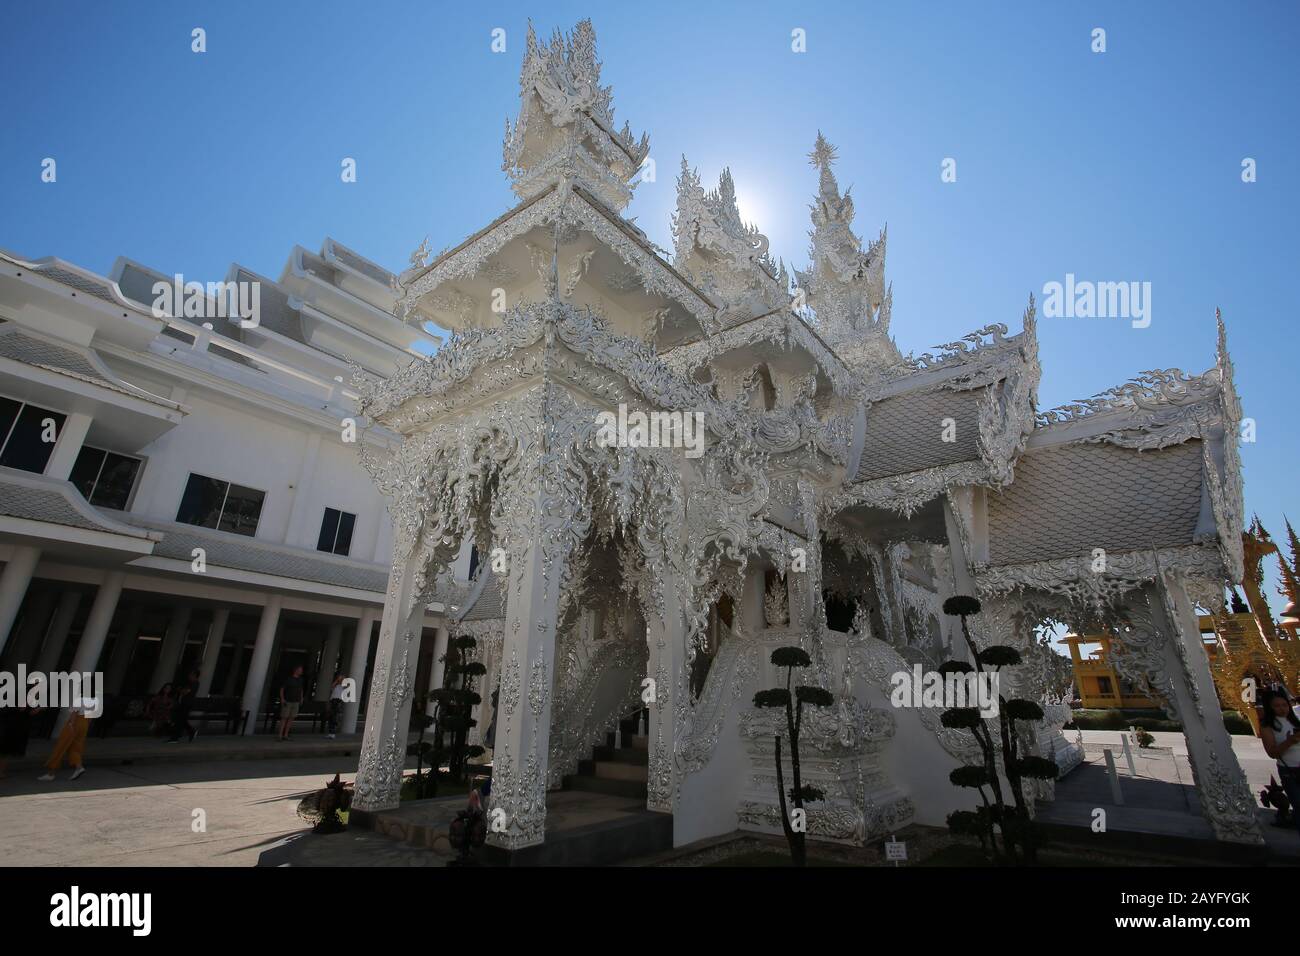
{"x": 823, "y": 153}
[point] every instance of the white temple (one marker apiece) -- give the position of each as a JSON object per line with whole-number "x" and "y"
{"x": 844, "y": 491}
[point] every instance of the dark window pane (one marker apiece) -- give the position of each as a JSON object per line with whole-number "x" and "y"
{"x": 473, "y": 560}
{"x": 201, "y": 503}
{"x": 115, "y": 482}
{"x": 343, "y": 545}
{"x": 86, "y": 470}
{"x": 243, "y": 508}
{"x": 329, "y": 528}
{"x": 27, "y": 448}
{"x": 8, "y": 412}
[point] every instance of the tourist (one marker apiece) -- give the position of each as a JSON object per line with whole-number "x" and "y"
{"x": 290, "y": 701}
{"x": 335, "y": 704}
{"x": 159, "y": 710}
{"x": 15, "y": 729}
{"x": 71, "y": 744}
{"x": 1280, "y": 732}
{"x": 181, "y": 712}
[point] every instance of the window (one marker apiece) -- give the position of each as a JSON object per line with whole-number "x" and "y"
{"x": 336, "y": 532}
{"x": 29, "y": 435}
{"x": 213, "y": 503}
{"x": 105, "y": 478}
{"x": 1104, "y": 687}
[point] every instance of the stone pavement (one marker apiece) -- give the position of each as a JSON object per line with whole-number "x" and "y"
{"x": 145, "y": 815}
{"x": 1162, "y": 798}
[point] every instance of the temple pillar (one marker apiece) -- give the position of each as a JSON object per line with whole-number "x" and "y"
{"x": 527, "y": 666}
{"x": 388, "y": 713}
{"x": 1225, "y": 796}
{"x": 665, "y": 633}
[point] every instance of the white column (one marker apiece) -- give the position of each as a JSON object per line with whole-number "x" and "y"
{"x": 13, "y": 586}
{"x": 212, "y": 650}
{"x": 36, "y": 618}
{"x": 91, "y": 645}
{"x": 329, "y": 661}
{"x": 261, "y": 657}
{"x": 1225, "y": 796}
{"x": 667, "y": 663}
{"x": 439, "y": 668}
{"x": 68, "y": 445}
{"x": 123, "y": 648}
{"x": 357, "y": 668}
{"x": 173, "y": 646}
{"x": 52, "y": 649}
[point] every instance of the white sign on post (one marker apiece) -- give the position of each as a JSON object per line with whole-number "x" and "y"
{"x": 896, "y": 851}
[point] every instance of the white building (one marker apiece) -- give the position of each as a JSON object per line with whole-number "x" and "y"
{"x": 179, "y": 489}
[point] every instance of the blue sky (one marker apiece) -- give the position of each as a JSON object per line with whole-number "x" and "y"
{"x": 1123, "y": 165}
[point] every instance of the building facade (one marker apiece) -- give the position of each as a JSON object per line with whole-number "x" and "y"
{"x": 179, "y": 488}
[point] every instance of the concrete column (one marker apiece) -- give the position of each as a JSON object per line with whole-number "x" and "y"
{"x": 439, "y": 666}
{"x": 212, "y": 650}
{"x": 52, "y": 649}
{"x": 232, "y": 679}
{"x": 91, "y": 645}
{"x": 13, "y": 586}
{"x": 173, "y": 646}
{"x": 257, "y": 667}
{"x": 357, "y": 668}
{"x": 329, "y": 661}
{"x": 68, "y": 445}
{"x": 36, "y": 618}
{"x": 123, "y": 647}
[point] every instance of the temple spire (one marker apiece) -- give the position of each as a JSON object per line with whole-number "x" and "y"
{"x": 565, "y": 131}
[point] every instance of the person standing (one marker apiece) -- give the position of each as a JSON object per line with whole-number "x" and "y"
{"x": 1279, "y": 731}
{"x": 335, "y": 704}
{"x": 181, "y": 712}
{"x": 290, "y": 701}
{"x": 71, "y": 744}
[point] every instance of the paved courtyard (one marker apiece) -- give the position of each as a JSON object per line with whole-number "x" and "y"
{"x": 145, "y": 815}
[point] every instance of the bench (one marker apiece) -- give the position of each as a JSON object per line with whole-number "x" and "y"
{"x": 135, "y": 708}
{"x": 316, "y": 711}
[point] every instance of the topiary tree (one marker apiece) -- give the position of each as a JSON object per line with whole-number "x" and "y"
{"x": 451, "y": 720}
{"x": 1015, "y": 822}
{"x": 790, "y": 658}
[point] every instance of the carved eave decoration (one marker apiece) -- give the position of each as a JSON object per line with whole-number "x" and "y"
{"x": 1074, "y": 581}
{"x": 565, "y": 242}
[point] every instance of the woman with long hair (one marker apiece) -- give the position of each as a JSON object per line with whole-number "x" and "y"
{"x": 1279, "y": 729}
